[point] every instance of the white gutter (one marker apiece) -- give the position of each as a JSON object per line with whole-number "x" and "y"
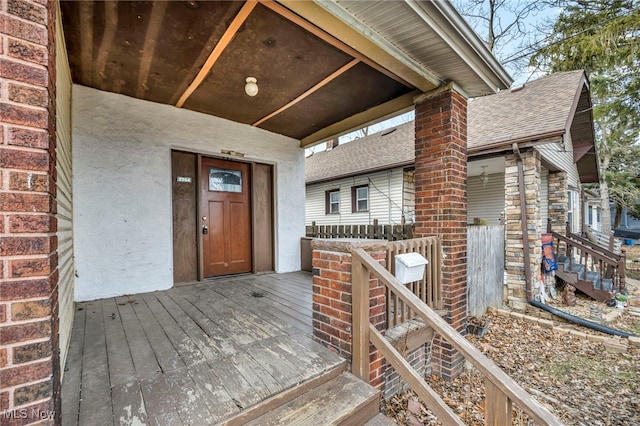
{"x": 445, "y": 20}
{"x": 342, "y": 14}
{"x": 447, "y": 23}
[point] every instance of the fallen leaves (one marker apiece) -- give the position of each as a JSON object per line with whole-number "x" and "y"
{"x": 576, "y": 378}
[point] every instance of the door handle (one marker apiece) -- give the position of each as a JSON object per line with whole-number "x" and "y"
{"x": 205, "y": 230}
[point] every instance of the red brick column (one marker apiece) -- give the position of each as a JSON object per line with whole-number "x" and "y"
{"x": 332, "y": 299}
{"x": 441, "y": 205}
{"x": 29, "y": 365}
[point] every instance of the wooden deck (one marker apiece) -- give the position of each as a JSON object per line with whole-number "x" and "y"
{"x": 191, "y": 355}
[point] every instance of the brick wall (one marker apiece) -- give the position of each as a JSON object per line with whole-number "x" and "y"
{"x": 332, "y": 292}
{"x": 29, "y": 366}
{"x": 516, "y": 284}
{"x": 441, "y": 205}
{"x": 419, "y": 359}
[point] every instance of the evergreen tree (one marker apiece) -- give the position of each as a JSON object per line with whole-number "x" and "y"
{"x": 603, "y": 37}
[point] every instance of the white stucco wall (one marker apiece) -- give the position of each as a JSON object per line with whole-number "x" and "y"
{"x": 122, "y": 188}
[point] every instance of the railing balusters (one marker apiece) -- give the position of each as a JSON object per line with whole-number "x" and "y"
{"x": 501, "y": 390}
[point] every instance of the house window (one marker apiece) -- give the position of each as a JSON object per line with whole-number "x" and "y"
{"x": 572, "y": 210}
{"x": 332, "y": 201}
{"x": 225, "y": 180}
{"x": 360, "y": 198}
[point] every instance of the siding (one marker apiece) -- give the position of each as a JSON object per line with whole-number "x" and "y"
{"x": 485, "y": 202}
{"x": 562, "y": 158}
{"x": 123, "y": 239}
{"x": 388, "y": 210}
{"x": 64, "y": 196}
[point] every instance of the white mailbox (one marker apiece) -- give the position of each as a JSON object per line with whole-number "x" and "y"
{"x": 410, "y": 267}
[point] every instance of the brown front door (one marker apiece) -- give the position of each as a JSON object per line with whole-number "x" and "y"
{"x": 225, "y": 217}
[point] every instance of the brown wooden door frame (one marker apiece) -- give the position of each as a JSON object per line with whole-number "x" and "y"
{"x": 262, "y": 199}
{"x": 263, "y": 202}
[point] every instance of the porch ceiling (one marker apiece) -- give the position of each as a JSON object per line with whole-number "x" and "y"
{"x": 316, "y": 80}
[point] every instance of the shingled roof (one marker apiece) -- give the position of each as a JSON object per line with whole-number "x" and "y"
{"x": 387, "y": 149}
{"x": 537, "y": 111}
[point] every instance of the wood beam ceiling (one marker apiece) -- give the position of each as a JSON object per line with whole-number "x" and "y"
{"x": 217, "y": 51}
{"x": 235, "y": 25}
{"x": 315, "y": 88}
{"x": 153, "y": 30}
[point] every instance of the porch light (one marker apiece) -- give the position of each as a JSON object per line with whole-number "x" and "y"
{"x": 484, "y": 177}
{"x": 251, "y": 88}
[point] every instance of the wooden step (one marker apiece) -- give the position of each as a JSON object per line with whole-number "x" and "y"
{"x": 587, "y": 287}
{"x": 284, "y": 397}
{"x": 344, "y": 400}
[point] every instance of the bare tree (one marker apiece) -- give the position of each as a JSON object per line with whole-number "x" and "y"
{"x": 506, "y": 26}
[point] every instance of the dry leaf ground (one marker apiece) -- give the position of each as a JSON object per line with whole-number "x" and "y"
{"x": 579, "y": 380}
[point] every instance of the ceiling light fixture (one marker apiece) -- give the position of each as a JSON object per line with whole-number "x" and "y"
{"x": 251, "y": 88}
{"x": 484, "y": 177}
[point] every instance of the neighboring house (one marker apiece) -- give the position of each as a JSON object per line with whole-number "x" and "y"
{"x": 132, "y": 157}
{"x": 546, "y": 123}
{"x": 368, "y": 179}
{"x": 539, "y": 139}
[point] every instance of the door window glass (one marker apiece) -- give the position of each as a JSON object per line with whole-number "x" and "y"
{"x": 225, "y": 180}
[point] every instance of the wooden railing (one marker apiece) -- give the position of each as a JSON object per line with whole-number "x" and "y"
{"x": 603, "y": 240}
{"x": 593, "y": 256}
{"x": 429, "y": 289}
{"x": 375, "y": 231}
{"x": 501, "y": 390}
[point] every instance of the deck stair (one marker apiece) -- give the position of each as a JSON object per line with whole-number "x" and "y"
{"x": 341, "y": 400}
{"x": 590, "y": 282}
{"x": 591, "y": 268}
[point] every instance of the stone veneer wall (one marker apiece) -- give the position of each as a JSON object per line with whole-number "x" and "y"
{"x": 516, "y": 284}
{"x": 558, "y": 213}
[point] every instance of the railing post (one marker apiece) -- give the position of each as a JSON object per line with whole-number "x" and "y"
{"x": 622, "y": 265}
{"x": 497, "y": 406}
{"x": 360, "y": 318}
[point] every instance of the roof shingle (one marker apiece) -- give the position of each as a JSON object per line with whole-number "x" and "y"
{"x": 541, "y": 107}
{"x": 386, "y": 149}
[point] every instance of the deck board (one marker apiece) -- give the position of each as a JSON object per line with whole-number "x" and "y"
{"x": 217, "y": 397}
{"x": 121, "y": 369}
{"x": 128, "y": 405}
{"x": 144, "y": 359}
{"x": 192, "y": 354}
{"x": 166, "y": 354}
{"x": 184, "y": 345}
{"x": 159, "y": 402}
{"x": 73, "y": 374}
{"x": 96, "y": 389}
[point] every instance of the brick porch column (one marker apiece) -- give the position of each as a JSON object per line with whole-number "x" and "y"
{"x": 332, "y": 292}
{"x": 29, "y": 364}
{"x": 516, "y": 284}
{"x": 441, "y": 205}
{"x": 558, "y": 213}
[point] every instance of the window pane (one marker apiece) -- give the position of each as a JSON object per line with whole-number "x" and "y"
{"x": 334, "y": 202}
{"x": 363, "y": 193}
{"x": 225, "y": 180}
{"x": 362, "y": 198}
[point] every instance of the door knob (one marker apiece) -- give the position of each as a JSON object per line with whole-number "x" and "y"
{"x": 205, "y": 230}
